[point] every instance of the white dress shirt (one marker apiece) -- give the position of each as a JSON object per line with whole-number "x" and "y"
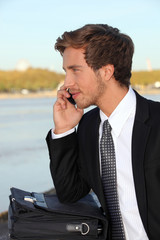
{"x": 121, "y": 121}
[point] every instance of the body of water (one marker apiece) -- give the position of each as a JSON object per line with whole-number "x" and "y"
{"x": 24, "y": 160}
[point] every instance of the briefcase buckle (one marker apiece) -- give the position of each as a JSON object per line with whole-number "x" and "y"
{"x": 30, "y": 199}
{"x": 83, "y": 228}
{"x": 87, "y": 229}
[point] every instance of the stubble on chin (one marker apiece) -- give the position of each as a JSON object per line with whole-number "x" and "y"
{"x": 83, "y": 105}
{"x": 89, "y": 101}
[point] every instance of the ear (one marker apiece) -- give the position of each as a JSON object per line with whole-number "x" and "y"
{"x": 107, "y": 71}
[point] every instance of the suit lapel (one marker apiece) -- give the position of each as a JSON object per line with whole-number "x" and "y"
{"x": 92, "y": 144}
{"x": 139, "y": 140}
{"x": 98, "y": 188}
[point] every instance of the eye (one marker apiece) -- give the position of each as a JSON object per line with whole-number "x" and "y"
{"x": 75, "y": 69}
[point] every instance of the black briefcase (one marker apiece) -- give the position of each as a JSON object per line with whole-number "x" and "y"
{"x": 40, "y": 216}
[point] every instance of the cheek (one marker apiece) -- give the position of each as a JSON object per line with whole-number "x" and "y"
{"x": 87, "y": 82}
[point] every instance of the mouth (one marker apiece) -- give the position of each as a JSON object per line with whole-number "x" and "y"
{"x": 74, "y": 94}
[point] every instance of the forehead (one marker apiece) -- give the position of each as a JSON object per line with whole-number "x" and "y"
{"x": 72, "y": 56}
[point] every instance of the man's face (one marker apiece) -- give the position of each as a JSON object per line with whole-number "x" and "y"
{"x": 85, "y": 85}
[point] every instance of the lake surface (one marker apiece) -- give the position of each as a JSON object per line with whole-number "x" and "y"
{"x": 24, "y": 161}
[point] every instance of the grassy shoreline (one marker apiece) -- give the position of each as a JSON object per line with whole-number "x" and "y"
{"x": 147, "y": 91}
{"x": 53, "y": 93}
{"x": 41, "y": 94}
{"x": 3, "y": 216}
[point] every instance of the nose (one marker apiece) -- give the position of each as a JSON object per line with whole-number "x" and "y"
{"x": 69, "y": 81}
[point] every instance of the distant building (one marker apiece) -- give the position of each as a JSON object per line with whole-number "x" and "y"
{"x": 22, "y": 65}
{"x": 149, "y": 66}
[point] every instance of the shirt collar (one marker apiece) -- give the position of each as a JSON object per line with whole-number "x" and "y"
{"x": 122, "y": 112}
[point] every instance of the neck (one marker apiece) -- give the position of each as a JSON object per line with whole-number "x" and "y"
{"x": 111, "y": 98}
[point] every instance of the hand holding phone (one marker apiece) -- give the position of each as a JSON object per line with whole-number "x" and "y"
{"x": 70, "y": 99}
{"x": 65, "y": 116}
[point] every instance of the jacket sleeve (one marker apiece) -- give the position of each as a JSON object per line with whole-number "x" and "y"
{"x": 66, "y": 170}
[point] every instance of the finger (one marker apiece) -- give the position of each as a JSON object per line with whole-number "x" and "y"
{"x": 62, "y": 93}
{"x": 61, "y": 103}
{"x": 61, "y": 100}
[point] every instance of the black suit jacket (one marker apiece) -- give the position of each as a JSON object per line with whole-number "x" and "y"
{"x": 75, "y": 162}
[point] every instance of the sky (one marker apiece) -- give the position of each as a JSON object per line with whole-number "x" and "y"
{"x": 29, "y": 29}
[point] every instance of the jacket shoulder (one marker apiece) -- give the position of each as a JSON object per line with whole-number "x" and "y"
{"x": 147, "y": 109}
{"x": 90, "y": 117}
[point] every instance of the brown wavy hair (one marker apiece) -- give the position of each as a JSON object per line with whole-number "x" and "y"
{"x": 103, "y": 45}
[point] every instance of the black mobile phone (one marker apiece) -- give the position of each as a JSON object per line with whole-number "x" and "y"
{"x": 70, "y": 99}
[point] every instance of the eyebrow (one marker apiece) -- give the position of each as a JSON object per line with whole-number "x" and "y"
{"x": 73, "y": 66}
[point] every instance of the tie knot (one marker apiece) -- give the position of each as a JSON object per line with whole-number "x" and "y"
{"x": 106, "y": 127}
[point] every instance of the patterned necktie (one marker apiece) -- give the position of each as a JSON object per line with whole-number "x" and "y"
{"x": 109, "y": 182}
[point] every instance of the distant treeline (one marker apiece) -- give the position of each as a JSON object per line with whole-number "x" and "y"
{"x": 31, "y": 79}
{"x": 39, "y": 79}
{"x": 145, "y": 78}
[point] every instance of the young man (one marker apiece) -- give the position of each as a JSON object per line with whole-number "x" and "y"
{"x": 115, "y": 150}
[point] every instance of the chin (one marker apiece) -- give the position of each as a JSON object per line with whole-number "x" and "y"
{"x": 83, "y": 105}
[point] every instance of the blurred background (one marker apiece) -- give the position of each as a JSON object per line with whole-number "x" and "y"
{"x": 31, "y": 70}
